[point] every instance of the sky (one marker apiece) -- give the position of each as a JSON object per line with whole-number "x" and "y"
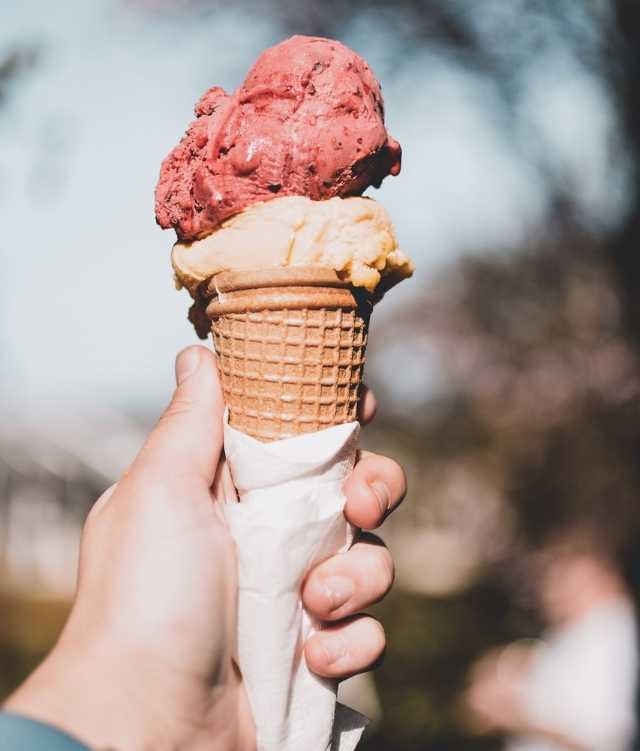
{"x": 88, "y": 311}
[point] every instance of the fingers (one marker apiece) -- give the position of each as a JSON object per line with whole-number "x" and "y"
{"x": 378, "y": 484}
{"x": 187, "y": 440}
{"x": 348, "y": 583}
{"x": 374, "y": 489}
{"x": 346, "y": 648}
{"x": 337, "y": 588}
{"x": 367, "y": 405}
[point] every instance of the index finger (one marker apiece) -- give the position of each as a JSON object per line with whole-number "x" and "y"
{"x": 367, "y": 405}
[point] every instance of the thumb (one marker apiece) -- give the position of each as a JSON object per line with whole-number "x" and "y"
{"x": 187, "y": 440}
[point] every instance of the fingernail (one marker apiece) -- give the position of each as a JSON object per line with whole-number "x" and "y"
{"x": 334, "y": 647}
{"x": 339, "y": 590}
{"x": 382, "y": 495}
{"x": 187, "y": 364}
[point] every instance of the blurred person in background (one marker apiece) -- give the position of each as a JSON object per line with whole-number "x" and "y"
{"x": 574, "y": 689}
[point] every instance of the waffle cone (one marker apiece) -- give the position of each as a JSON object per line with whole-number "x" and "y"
{"x": 290, "y": 345}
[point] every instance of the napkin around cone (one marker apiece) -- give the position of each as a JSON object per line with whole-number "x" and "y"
{"x": 289, "y": 518}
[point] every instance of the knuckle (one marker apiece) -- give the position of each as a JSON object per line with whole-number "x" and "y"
{"x": 390, "y": 470}
{"x": 142, "y": 492}
{"x": 180, "y": 405}
{"x": 379, "y": 569}
{"x": 395, "y": 476}
{"x": 404, "y": 486}
{"x": 377, "y": 639}
{"x": 395, "y": 470}
{"x": 386, "y": 570}
{"x": 143, "y": 484}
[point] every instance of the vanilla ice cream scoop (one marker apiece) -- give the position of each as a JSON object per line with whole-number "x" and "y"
{"x": 354, "y": 236}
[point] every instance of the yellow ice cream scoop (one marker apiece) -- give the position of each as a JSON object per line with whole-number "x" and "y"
{"x": 354, "y": 236}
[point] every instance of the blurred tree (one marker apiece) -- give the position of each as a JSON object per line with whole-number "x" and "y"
{"x": 12, "y": 65}
{"x": 625, "y": 49}
{"x": 544, "y": 392}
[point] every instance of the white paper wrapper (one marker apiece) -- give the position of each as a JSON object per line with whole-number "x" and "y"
{"x": 289, "y": 518}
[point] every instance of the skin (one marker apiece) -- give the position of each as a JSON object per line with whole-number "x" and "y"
{"x": 145, "y": 659}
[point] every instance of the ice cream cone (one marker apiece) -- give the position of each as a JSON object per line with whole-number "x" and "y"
{"x": 290, "y": 344}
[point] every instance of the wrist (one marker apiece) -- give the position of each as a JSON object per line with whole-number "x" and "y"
{"x": 96, "y": 696}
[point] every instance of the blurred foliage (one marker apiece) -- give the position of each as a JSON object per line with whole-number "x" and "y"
{"x": 512, "y": 33}
{"x": 431, "y": 644}
{"x": 456, "y": 25}
{"x": 543, "y": 392}
{"x": 544, "y": 378}
{"x": 28, "y": 629}
{"x": 624, "y": 246}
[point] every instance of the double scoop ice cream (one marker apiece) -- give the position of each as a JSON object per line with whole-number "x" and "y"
{"x": 307, "y": 123}
{"x": 266, "y": 185}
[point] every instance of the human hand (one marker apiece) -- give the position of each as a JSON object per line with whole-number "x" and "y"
{"x": 145, "y": 659}
{"x": 497, "y": 680}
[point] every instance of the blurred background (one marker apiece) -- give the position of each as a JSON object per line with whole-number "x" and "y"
{"x": 516, "y": 411}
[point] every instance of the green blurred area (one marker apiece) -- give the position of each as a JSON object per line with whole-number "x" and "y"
{"x": 431, "y": 643}
{"x": 28, "y": 629}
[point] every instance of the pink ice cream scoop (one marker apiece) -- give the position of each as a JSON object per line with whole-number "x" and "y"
{"x": 308, "y": 120}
